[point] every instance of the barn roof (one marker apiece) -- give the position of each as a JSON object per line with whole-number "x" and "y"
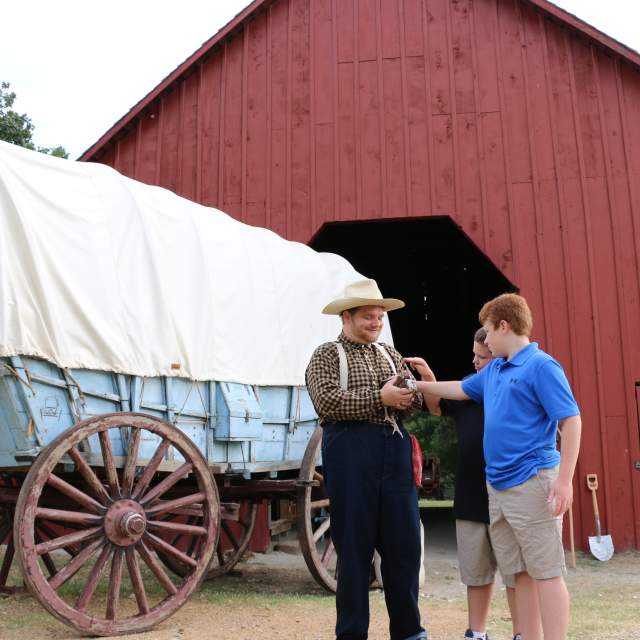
{"x": 548, "y": 8}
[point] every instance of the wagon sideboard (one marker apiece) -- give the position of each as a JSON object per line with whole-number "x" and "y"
{"x": 239, "y": 429}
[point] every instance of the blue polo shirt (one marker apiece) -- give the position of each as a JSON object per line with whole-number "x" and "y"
{"x": 524, "y": 398}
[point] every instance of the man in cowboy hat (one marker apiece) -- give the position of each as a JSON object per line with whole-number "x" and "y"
{"x": 366, "y": 455}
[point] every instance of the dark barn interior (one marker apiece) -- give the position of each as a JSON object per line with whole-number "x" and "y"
{"x": 435, "y": 268}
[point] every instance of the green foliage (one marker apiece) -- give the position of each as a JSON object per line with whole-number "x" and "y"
{"x": 17, "y": 128}
{"x": 438, "y": 438}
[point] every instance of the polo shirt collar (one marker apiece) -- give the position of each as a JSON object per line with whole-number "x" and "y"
{"x": 523, "y": 355}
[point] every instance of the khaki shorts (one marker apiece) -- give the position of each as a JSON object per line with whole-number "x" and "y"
{"x": 475, "y": 555}
{"x": 524, "y": 534}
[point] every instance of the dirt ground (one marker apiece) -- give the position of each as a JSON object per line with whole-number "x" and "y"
{"x": 273, "y": 596}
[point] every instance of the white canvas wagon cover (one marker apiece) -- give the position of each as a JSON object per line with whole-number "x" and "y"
{"x": 99, "y": 271}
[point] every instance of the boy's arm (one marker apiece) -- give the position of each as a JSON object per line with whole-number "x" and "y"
{"x": 452, "y": 389}
{"x": 426, "y": 375}
{"x": 561, "y": 493}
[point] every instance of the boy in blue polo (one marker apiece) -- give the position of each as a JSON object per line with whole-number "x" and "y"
{"x": 526, "y": 398}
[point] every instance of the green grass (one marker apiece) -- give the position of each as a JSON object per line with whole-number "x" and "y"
{"x": 435, "y": 504}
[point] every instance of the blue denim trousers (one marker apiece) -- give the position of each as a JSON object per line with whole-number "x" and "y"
{"x": 374, "y": 505}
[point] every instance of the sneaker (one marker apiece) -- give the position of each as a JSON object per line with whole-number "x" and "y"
{"x": 468, "y": 634}
{"x": 517, "y": 637}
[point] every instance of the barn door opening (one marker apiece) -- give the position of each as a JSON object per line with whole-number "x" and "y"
{"x": 436, "y": 269}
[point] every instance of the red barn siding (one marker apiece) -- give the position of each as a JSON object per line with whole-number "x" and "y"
{"x": 499, "y": 113}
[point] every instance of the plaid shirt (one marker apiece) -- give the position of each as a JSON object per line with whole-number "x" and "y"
{"x": 368, "y": 371}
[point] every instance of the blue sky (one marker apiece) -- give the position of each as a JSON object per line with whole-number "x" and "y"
{"x": 78, "y": 66}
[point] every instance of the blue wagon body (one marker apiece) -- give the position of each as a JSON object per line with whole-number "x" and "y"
{"x": 239, "y": 429}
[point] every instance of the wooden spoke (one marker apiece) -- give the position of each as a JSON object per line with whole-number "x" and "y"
{"x": 97, "y": 488}
{"x": 50, "y": 534}
{"x": 156, "y": 568}
{"x": 129, "y": 472}
{"x": 328, "y": 553}
{"x": 136, "y": 580}
{"x": 321, "y": 530}
{"x": 68, "y": 539}
{"x": 75, "y": 494}
{"x": 5, "y": 534}
{"x": 6, "y": 562}
{"x": 77, "y": 517}
{"x": 49, "y": 564}
{"x": 165, "y": 547}
{"x": 169, "y": 505}
{"x": 167, "y": 483}
{"x": 115, "y": 580}
{"x": 75, "y": 564}
{"x": 177, "y": 527}
{"x": 109, "y": 463}
{"x": 94, "y": 577}
{"x": 232, "y": 539}
{"x": 151, "y": 469}
{"x": 319, "y": 504}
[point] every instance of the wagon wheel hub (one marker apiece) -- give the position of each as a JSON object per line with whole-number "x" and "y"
{"x": 125, "y": 522}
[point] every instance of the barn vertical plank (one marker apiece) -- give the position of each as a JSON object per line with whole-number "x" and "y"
{"x": 199, "y": 115}
{"x": 256, "y": 146}
{"x": 438, "y": 67}
{"x": 127, "y": 154}
{"x": 148, "y": 148}
{"x": 348, "y": 186}
{"x": 593, "y": 291}
{"x": 268, "y": 154}
{"x": 244, "y": 133}
{"x": 224, "y": 72}
{"x": 209, "y": 125}
{"x": 481, "y": 233}
{"x": 357, "y": 128}
{"x": 558, "y": 98}
{"x": 344, "y": 10}
{"x": 393, "y": 149}
{"x": 470, "y": 208}
{"x": 377, "y": 25}
{"x": 455, "y": 213}
{"x": 428, "y": 98}
{"x": 539, "y": 148}
{"x": 323, "y": 155}
{"x": 180, "y": 136}
{"x": 300, "y": 123}
{"x": 371, "y": 177}
{"x": 189, "y": 138}
{"x": 404, "y": 111}
{"x": 158, "y": 167}
{"x": 462, "y": 57}
{"x": 418, "y": 138}
{"x": 169, "y": 143}
{"x": 484, "y": 29}
{"x": 412, "y": 26}
{"x": 335, "y": 80}
{"x": 610, "y": 116}
{"x": 512, "y": 95}
{"x": 232, "y": 141}
{"x": 278, "y": 160}
{"x": 390, "y": 20}
{"x": 367, "y": 35}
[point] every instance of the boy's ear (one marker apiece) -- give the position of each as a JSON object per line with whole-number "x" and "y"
{"x": 504, "y": 326}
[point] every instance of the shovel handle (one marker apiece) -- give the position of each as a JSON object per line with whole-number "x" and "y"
{"x": 596, "y": 513}
{"x": 592, "y": 481}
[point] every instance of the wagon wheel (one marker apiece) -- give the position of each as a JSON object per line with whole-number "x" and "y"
{"x": 314, "y": 520}
{"x": 116, "y": 522}
{"x": 234, "y": 541}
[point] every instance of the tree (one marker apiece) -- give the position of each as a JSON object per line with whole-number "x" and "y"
{"x": 17, "y": 128}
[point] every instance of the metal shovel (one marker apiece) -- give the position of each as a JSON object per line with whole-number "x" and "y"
{"x": 601, "y": 546}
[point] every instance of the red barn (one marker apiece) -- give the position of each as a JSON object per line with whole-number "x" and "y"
{"x": 452, "y": 149}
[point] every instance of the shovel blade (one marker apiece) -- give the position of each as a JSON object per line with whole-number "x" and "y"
{"x": 602, "y": 549}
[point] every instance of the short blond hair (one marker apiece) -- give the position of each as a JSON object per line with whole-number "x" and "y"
{"x": 511, "y": 308}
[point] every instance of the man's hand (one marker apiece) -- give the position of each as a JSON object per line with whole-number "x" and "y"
{"x": 421, "y": 366}
{"x": 560, "y": 497}
{"x": 395, "y": 397}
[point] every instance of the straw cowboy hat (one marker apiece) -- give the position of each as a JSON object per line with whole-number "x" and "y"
{"x": 363, "y": 293}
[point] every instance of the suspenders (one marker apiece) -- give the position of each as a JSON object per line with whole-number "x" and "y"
{"x": 344, "y": 376}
